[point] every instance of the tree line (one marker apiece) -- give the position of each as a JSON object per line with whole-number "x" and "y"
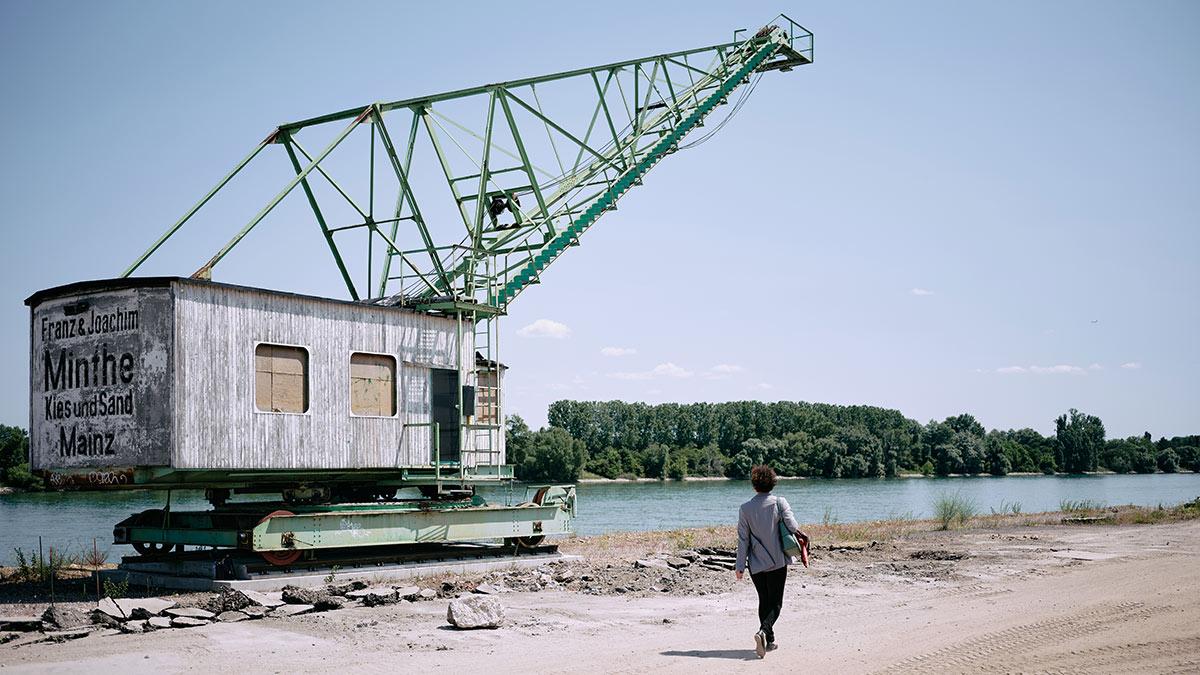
{"x": 614, "y": 439}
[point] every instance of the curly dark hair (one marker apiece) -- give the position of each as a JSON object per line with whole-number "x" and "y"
{"x": 762, "y": 477}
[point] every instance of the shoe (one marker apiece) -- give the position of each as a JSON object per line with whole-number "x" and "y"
{"x": 760, "y": 644}
{"x": 771, "y": 646}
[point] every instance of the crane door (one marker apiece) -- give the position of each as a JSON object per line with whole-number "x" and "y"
{"x": 444, "y": 398}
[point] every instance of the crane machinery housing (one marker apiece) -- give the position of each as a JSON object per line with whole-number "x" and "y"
{"x": 330, "y": 406}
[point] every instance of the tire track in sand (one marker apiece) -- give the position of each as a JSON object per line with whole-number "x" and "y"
{"x": 972, "y": 654}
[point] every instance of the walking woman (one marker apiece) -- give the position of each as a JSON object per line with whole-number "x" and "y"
{"x": 760, "y": 550}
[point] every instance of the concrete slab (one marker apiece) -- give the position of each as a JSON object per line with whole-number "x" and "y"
{"x": 397, "y": 572}
{"x": 275, "y": 581}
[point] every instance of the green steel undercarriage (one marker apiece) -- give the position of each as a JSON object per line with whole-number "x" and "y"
{"x": 283, "y": 532}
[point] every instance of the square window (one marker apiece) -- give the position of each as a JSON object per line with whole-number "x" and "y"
{"x": 372, "y": 384}
{"x": 281, "y": 378}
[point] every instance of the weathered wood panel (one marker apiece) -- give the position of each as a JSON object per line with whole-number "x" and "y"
{"x": 217, "y": 423}
{"x": 100, "y": 382}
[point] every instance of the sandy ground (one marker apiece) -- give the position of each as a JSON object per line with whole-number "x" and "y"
{"x": 1103, "y": 599}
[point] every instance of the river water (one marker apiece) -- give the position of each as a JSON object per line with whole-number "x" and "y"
{"x": 73, "y": 519}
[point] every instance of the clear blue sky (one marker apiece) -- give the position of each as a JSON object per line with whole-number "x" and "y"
{"x": 960, "y": 207}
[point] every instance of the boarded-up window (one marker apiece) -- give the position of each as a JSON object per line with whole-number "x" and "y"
{"x": 281, "y": 378}
{"x": 372, "y": 384}
{"x": 487, "y": 398}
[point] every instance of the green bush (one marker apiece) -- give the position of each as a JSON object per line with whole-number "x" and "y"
{"x": 953, "y": 510}
{"x": 1168, "y": 461}
{"x": 116, "y": 589}
{"x": 677, "y": 467}
{"x": 20, "y": 476}
{"x": 552, "y": 456}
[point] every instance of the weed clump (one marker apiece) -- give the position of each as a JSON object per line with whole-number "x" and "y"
{"x": 953, "y": 510}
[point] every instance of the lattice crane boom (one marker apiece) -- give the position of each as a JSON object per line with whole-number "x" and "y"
{"x": 524, "y": 183}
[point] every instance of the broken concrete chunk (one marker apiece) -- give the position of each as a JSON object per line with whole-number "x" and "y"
{"x": 475, "y": 611}
{"x": 373, "y": 597}
{"x": 189, "y": 613}
{"x": 344, "y": 587}
{"x": 229, "y": 600}
{"x": 254, "y": 612}
{"x": 109, "y": 607}
{"x": 158, "y": 622}
{"x": 232, "y": 616}
{"x": 21, "y": 623}
{"x": 291, "y": 610}
{"x": 134, "y": 627}
{"x": 652, "y": 563}
{"x": 678, "y": 563}
{"x": 187, "y": 622}
{"x": 409, "y": 592}
{"x": 103, "y": 619}
{"x": 72, "y": 634}
{"x": 295, "y": 595}
{"x": 264, "y": 599}
{"x": 143, "y": 608}
{"x": 564, "y": 576}
{"x": 63, "y": 617}
{"x": 427, "y": 594}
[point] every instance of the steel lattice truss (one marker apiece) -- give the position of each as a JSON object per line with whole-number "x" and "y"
{"x": 525, "y": 182}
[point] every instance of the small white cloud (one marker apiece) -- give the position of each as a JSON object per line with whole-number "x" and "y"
{"x": 618, "y": 351}
{"x": 545, "y": 328}
{"x": 921, "y": 291}
{"x": 1057, "y": 370}
{"x": 722, "y": 371}
{"x": 670, "y": 370}
{"x": 661, "y": 370}
{"x": 1132, "y": 365}
{"x": 764, "y": 386}
{"x": 1042, "y": 370}
{"x": 1095, "y": 366}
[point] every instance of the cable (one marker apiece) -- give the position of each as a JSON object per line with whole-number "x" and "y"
{"x": 737, "y": 106}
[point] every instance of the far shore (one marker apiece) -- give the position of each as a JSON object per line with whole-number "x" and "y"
{"x": 601, "y": 479}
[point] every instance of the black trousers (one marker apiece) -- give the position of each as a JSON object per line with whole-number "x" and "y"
{"x": 770, "y": 598}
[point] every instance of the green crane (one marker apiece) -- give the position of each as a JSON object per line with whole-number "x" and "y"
{"x": 524, "y": 183}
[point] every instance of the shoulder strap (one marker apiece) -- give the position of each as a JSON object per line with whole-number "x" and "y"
{"x": 779, "y": 512}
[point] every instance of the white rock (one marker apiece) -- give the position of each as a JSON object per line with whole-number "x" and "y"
{"x": 475, "y": 611}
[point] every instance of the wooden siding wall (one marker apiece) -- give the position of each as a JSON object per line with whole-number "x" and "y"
{"x": 216, "y": 423}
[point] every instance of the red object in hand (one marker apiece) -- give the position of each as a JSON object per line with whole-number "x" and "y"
{"x": 804, "y": 552}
